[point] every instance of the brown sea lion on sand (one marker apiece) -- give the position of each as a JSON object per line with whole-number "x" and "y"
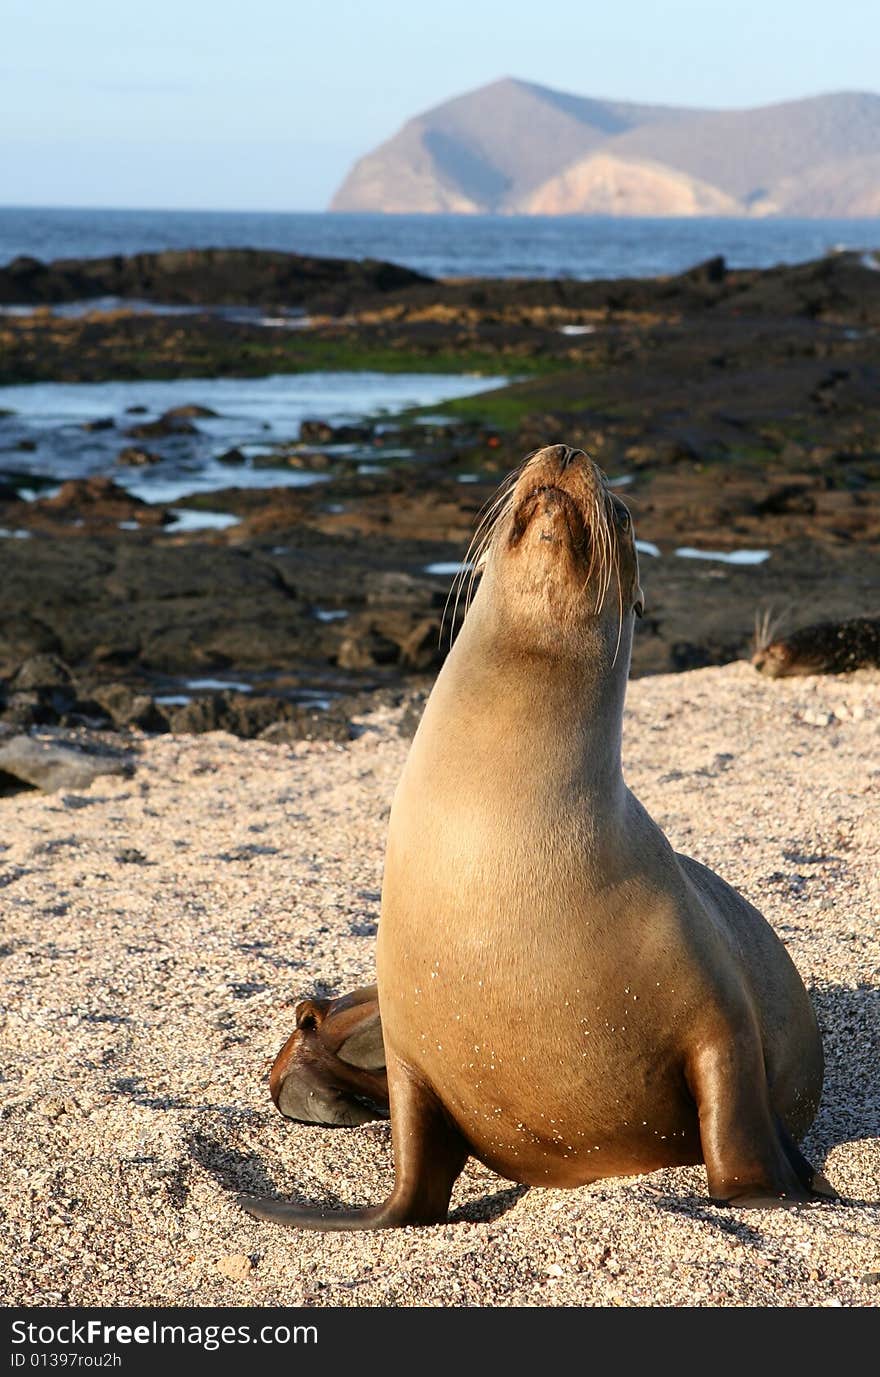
{"x": 562, "y": 995}
{"x": 822, "y": 648}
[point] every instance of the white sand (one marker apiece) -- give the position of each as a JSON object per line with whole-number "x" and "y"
{"x": 143, "y": 1003}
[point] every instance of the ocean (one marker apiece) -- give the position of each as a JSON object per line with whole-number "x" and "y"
{"x": 441, "y": 245}
{"x": 47, "y": 433}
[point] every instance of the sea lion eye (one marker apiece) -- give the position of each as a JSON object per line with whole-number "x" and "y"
{"x": 623, "y": 518}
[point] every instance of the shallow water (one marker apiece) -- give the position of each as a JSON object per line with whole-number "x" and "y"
{"x": 724, "y": 556}
{"x": 447, "y": 567}
{"x": 253, "y": 415}
{"x": 201, "y": 521}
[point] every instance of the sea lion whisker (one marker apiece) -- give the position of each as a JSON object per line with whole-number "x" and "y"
{"x": 606, "y": 551}
{"x": 493, "y": 514}
{"x": 485, "y": 522}
{"x": 619, "y": 616}
{"x": 767, "y": 624}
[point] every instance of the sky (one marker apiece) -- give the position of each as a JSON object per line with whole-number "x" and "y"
{"x": 265, "y": 104}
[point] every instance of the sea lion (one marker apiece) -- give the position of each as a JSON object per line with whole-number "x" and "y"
{"x": 821, "y": 648}
{"x": 562, "y": 995}
{"x": 331, "y": 1070}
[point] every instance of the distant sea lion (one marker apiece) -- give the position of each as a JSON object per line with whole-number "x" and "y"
{"x": 822, "y": 648}
{"x": 562, "y": 995}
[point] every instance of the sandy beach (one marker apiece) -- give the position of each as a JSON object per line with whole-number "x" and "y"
{"x": 157, "y": 931}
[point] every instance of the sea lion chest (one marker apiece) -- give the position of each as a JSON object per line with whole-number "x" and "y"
{"x": 527, "y": 970}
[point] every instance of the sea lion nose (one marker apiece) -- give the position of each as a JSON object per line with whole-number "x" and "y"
{"x": 567, "y": 456}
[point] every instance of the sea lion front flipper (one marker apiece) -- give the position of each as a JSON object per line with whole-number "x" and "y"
{"x": 429, "y": 1154}
{"x": 750, "y": 1161}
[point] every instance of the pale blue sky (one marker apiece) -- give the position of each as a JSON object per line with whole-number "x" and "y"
{"x": 263, "y": 104}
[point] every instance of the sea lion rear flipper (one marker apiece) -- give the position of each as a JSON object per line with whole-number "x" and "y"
{"x": 750, "y": 1160}
{"x": 429, "y": 1154}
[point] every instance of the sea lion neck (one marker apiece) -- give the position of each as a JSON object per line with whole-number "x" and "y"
{"x": 496, "y": 697}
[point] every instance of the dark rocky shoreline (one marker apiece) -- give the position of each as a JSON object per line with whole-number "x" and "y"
{"x": 742, "y": 411}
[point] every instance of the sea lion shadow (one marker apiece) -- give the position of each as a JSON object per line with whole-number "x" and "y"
{"x": 487, "y": 1207}
{"x": 849, "y": 1021}
{"x": 233, "y": 1170}
{"x": 694, "y": 1208}
{"x": 135, "y": 1089}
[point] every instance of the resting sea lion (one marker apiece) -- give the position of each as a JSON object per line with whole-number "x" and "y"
{"x": 562, "y": 995}
{"x": 821, "y": 648}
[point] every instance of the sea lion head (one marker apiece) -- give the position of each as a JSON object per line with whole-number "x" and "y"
{"x": 331, "y": 1070}
{"x": 561, "y": 567}
{"x": 775, "y": 660}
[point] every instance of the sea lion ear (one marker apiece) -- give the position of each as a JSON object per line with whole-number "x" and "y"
{"x": 639, "y": 603}
{"x": 310, "y": 1013}
{"x": 364, "y": 1048}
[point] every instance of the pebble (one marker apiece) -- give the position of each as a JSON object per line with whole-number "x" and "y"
{"x": 235, "y": 1266}
{"x": 816, "y": 718}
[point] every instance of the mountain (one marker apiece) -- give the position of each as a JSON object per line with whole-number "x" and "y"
{"x": 516, "y": 148}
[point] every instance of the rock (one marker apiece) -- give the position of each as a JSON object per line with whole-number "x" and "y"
{"x": 102, "y": 423}
{"x": 41, "y": 672}
{"x": 420, "y": 647}
{"x": 50, "y": 765}
{"x": 128, "y": 708}
{"x": 234, "y": 277}
{"x": 235, "y": 1266}
{"x": 313, "y": 432}
{"x": 189, "y": 412}
{"x": 311, "y": 724}
{"x": 41, "y": 692}
{"x": 52, "y": 1108}
{"x": 312, "y": 460}
{"x": 129, "y": 855}
{"x": 168, "y": 424}
{"x": 99, "y": 501}
{"x": 135, "y": 457}
{"x": 411, "y": 717}
{"x": 816, "y": 717}
{"x": 239, "y": 713}
{"x": 28, "y": 709}
{"x": 790, "y": 497}
{"x": 364, "y": 647}
{"x": 391, "y": 635}
{"x": 317, "y": 432}
{"x": 392, "y": 588}
{"x": 232, "y": 456}
{"x": 713, "y": 271}
{"x": 22, "y": 635}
